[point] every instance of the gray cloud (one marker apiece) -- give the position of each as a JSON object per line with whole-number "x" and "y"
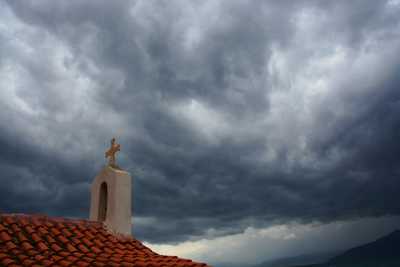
{"x": 231, "y": 114}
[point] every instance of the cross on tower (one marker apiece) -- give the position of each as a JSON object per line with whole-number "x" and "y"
{"x": 110, "y": 153}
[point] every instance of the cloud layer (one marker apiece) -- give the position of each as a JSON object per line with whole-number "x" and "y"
{"x": 231, "y": 114}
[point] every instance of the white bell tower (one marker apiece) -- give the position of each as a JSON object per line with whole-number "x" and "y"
{"x": 111, "y": 200}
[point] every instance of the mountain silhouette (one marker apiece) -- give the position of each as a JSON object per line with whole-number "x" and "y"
{"x": 384, "y": 250}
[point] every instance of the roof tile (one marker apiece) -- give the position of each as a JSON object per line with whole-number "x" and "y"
{"x": 66, "y": 232}
{"x": 42, "y": 246}
{"x": 40, "y": 257}
{"x": 21, "y": 237}
{"x": 10, "y": 245}
{"x": 82, "y": 264}
{"x": 83, "y": 248}
{"x": 55, "y": 231}
{"x": 5, "y": 236}
{"x": 56, "y": 247}
{"x": 47, "y": 262}
{"x": 96, "y": 250}
{"x": 71, "y": 248}
{"x": 15, "y": 228}
{"x": 28, "y": 262}
{"x": 26, "y": 245}
{"x": 64, "y": 263}
{"x": 37, "y": 240}
{"x": 63, "y": 239}
{"x": 71, "y": 258}
{"x": 64, "y": 253}
{"x": 42, "y": 231}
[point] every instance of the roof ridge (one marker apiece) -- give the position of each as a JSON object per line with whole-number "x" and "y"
{"x": 83, "y": 222}
{"x": 51, "y": 218}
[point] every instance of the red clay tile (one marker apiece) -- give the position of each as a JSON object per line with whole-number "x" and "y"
{"x": 83, "y": 248}
{"x": 55, "y": 231}
{"x": 39, "y": 257}
{"x": 9, "y": 220}
{"x": 60, "y": 225}
{"x": 43, "y": 231}
{"x": 7, "y": 261}
{"x": 120, "y": 246}
{"x": 77, "y": 234}
{"x": 15, "y": 228}
{"x": 89, "y": 244}
{"x": 64, "y": 254}
{"x": 4, "y": 236}
{"x": 89, "y": 235}
{"x": 96, "y": 250}
{"x": 102, "y": 258}
{"x": 36, "y": 237}
{"x": 128, "y": 259}
{"x": 119, "y": 251}
{"x": 26, "y": 245}
{"x": 56, "y": 258}
{"x": 47, "y": 262}
{"x": 21, "y": 237}
{"x": 108, "y": 250}
{"x": 50, "y": 239}
{"x": 21, "y": 257}
{"x": 76, "y": 240}
{"x": 36, "y": 221}
{"x": 32, "y": 252}
{"x": 78, "y": 254}
{"x": 115, "y": 258}
{"x": 66, "y": 232}
{"x": 140, "y": 264}
{"x": 91, "y": 259}
{"x": 29, "y": 229}
{"x": 101, "y": 238}
{"x": 23, "y": 221}
{"x": 28, "y": 262}
{"x": 42, "y": 246}
{"x": 71, "y": 258}
{"x": 10, "y": 245}
{"x": 82, "y": 264}
{"x": 64, "y": 263}
{"x": 71, "y": 248}
{"x": 56, "y": 247}
{"x": 127, "y": 264}
{"x": 63, "y": 239}
{"x": 98, "y": 243}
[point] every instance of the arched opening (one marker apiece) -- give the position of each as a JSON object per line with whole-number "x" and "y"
{"x": 103, "y": 202}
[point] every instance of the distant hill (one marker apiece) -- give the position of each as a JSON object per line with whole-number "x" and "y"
{"x": 384, "y": 252}
{"x": 299, "y": 260}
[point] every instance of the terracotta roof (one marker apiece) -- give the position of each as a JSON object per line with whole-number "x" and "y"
{"x": 36, "y": 240}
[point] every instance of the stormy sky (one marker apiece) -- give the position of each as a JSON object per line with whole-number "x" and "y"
{"x": 245, "y": 124}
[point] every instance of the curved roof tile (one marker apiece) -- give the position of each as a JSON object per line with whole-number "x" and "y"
{"x": 38, "y": 240}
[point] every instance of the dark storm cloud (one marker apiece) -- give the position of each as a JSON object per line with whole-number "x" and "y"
{"x": 192, "y": 89}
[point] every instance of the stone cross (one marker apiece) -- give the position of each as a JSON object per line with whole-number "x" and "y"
{"x": 110, "y": 153}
